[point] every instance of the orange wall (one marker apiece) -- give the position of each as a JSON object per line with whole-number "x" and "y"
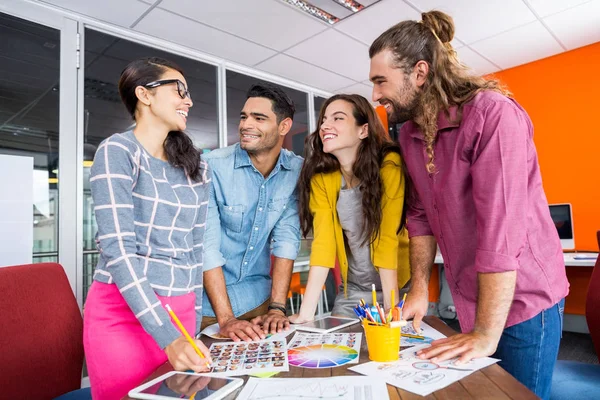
{"x": 562, "y": 96}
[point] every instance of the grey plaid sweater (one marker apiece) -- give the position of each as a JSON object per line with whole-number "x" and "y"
{"x": 151, "y": 221}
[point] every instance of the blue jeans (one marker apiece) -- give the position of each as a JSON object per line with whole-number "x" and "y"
{"x": 528, "y": 350}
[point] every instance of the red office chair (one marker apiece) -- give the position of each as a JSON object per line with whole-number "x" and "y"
{"x": 41, "y": 334}
{"x": 592, "y": 305}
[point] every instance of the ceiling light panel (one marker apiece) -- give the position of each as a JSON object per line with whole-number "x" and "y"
{"x": 331, "y": 11}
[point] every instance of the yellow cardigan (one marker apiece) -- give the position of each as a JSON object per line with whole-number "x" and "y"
{"x": 389, "y": 251}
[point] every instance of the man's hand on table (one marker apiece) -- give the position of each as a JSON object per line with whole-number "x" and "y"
{"x": 272, "y": 322}
{"x": 241, "y": 330}
{"x": 465, "y": 346}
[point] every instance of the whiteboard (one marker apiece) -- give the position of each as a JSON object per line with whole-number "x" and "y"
{"x": 16, "y": 210}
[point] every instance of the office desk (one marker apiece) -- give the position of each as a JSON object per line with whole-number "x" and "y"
{"x": 491, "y": 383}
{"x": 589, "y": 259}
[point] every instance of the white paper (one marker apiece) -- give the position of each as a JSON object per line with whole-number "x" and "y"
{"x": 213, "y": 330}
{"x": 315, "y": 350}
{"x": 245, "y": 358}
{"x": 16, "y": 210}
{"x": 337, "y": 387}
{"x": 418, "y": 376}
{"x": 427, "y": 331}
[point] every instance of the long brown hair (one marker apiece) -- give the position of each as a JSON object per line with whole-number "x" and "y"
{"x": 449, "y": 83}
{"x": 371, "y": 152}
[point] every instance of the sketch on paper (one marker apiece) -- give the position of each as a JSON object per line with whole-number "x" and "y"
{"x": 429, "y": 378}
{"x": 427, "y": 332}
{"x": 420, "y": 376}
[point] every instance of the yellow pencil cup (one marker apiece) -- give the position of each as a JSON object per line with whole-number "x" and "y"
{"x": 383, "y": 342}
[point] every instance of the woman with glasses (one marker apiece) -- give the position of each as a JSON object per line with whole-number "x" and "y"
{"x": 352, "y": 198}
{"x": 150, "y": 191}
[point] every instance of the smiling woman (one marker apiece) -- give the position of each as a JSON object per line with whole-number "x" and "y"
{"x": 150, "y": 190}
{"x": 352, "y": 197}
{"x": 105, "y": 58}
{"x": 156, "y": 109}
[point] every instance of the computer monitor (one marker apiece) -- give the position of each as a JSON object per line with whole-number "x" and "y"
{"x": 562, "y": 215}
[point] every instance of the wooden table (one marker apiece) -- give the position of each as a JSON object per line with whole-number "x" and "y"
{"x": 488, "y": 383}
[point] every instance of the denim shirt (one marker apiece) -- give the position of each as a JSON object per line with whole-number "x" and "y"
{"x": 249, "y": 218}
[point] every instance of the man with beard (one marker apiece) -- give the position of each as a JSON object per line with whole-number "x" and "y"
{"x": 478, "y": 193}
{"x": 252, "y": 214}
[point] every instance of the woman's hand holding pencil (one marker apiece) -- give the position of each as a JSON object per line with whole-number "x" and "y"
{"x": 185, "y": 353}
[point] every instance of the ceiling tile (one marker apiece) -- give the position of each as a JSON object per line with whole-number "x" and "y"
{"x": 578, "y": 26}
{"x": 367, "y": 25}
{"x": 478, "y": 64}
{"x": 477, "y": 19}
{"x": 268, "y": 22}
{"x": 457, "y": 44}
{"x": 534, "y": 42}
{"x": 359, "y": 88}
{"x": 160, "y": 23}
{"x": 128, "y": 10}
{"x": 547, "y": 7}
{"x": 336, "y": 52}
{"x": 302, "y": 72}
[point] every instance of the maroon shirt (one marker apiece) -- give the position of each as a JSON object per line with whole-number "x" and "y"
{"x": 486, "y": 206}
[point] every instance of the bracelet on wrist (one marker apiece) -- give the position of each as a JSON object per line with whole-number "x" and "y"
{"x": 272, "y": 306}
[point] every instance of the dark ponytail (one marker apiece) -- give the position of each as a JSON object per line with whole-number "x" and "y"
{"x": 179, "y": 148}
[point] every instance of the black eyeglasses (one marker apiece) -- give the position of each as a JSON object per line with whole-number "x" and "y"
{"x": 181, "y": 89}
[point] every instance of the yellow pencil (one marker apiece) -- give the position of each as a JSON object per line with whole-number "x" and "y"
{"x": 374, "y": 295}
{"x": 185, "y": 333}
{"x": 408, "y": 335}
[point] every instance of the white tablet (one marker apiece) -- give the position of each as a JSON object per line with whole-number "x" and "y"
{"x": 326, "y": 324}
{"x": 185, "y": 385}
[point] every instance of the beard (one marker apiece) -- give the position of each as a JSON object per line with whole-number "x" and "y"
{"x": 404, "y": 112}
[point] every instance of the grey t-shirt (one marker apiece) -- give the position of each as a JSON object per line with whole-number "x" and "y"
{"x": 361, "y": 272}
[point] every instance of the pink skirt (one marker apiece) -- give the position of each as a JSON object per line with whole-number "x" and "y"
{"x": 119, "y": 353}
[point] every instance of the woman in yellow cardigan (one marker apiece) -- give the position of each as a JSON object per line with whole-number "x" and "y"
{"x": 352, "y": 197}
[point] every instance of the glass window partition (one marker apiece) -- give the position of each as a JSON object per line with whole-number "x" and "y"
{"x": 319, "y": 101}
{"x": 29, "y": 130}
